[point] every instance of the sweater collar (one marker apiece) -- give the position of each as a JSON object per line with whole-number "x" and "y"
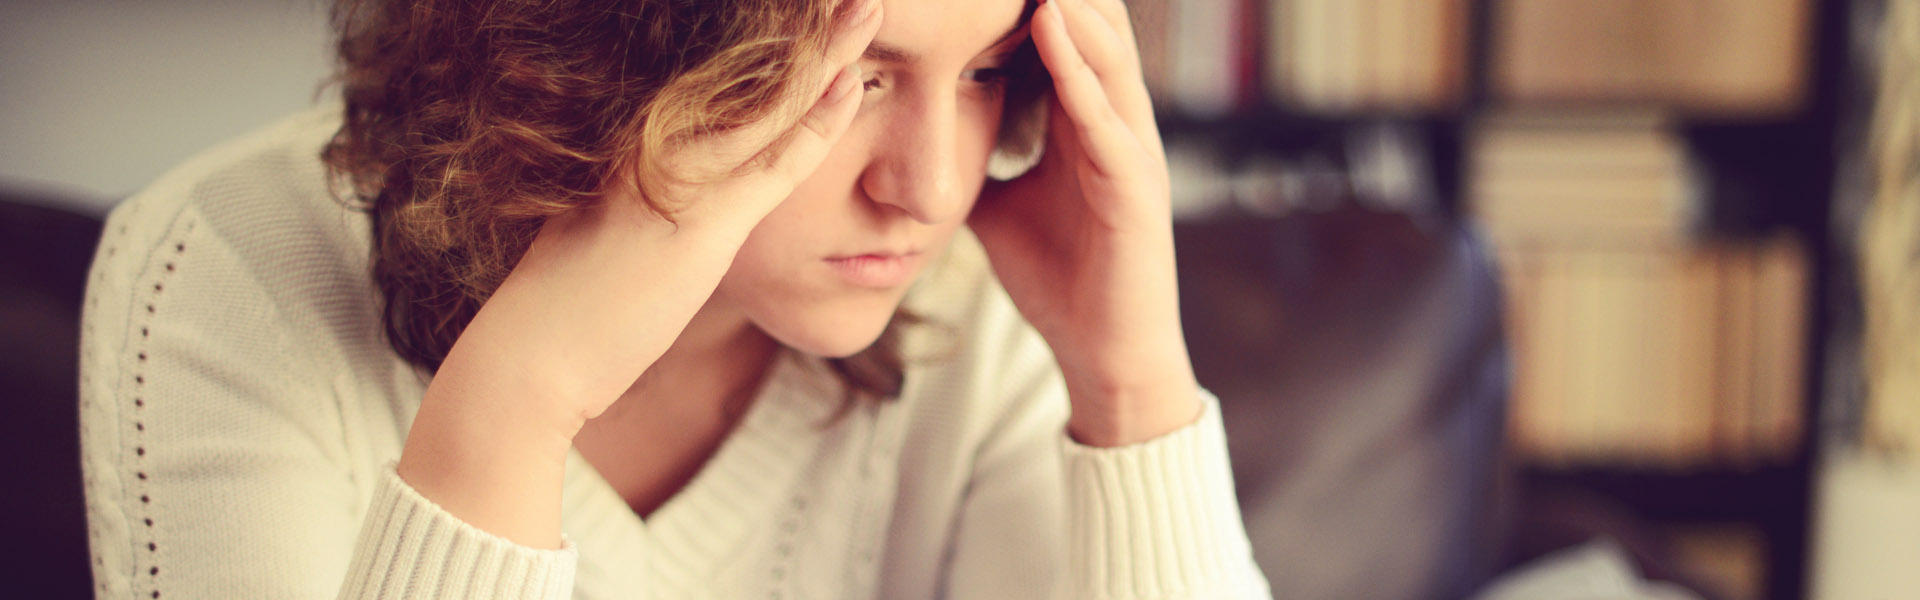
{"x": 753, "y": 472}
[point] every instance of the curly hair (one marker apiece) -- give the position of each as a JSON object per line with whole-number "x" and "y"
{"x": 469, "y": 122}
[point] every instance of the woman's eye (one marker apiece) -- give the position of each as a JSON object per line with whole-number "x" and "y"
{"x": 992, "y": 75}
{"x": 870, "y": 84}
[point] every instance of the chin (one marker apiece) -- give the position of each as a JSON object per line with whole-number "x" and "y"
{"x": 829, "y": 331}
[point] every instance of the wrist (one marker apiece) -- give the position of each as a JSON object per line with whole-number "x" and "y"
{"x": 528, "y": 402}
{"x": 599, "y": 296}
{"x": 1111, "y": 412}
{"x": 705, "y": 229}
{"x": 489, "y": 460}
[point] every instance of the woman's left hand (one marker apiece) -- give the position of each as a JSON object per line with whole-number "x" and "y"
{"x": 1084, "y": 241}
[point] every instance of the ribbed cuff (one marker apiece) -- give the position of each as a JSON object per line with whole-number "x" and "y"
{"x": 1158, "y": 519}
{"x": 409, "y": 547}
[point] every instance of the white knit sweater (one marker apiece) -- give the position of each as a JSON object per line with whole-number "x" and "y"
{"x": 241, "y": 415}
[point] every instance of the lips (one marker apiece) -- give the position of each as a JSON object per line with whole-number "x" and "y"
{"x": 879, "y": 269}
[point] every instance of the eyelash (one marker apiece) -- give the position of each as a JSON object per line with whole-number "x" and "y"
{"x": 993, "y": 78}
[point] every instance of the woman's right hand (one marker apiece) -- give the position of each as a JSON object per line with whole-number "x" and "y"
{"x": 600, "y": 294}
{"x": 603, "y": 291}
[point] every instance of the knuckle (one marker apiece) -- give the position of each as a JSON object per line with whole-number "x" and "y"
{"x": 1076, "y": 72}
{"x": 813, "y": 125}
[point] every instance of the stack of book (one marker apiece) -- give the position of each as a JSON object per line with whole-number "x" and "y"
{"x": 1212, "y": 58}
{"x": 1635, "y": 340}
{"x": 1720, "y": 57}
{"x": 1340, "y": 56}
{"x": 1591, "y": 178}
{"x": 1704, "y": 57}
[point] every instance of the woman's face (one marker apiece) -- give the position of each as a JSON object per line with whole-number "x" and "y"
{"x": 824, "y": 272}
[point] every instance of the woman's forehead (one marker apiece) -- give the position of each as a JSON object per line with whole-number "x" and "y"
{"x": 940, "y": 31}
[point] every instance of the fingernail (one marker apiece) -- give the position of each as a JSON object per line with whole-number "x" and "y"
{"x": 859, "y": 15}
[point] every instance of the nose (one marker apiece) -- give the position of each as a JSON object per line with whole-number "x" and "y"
{"x": 914, "y": 165}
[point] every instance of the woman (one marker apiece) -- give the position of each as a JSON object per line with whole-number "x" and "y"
{"x": 639, "y": 323}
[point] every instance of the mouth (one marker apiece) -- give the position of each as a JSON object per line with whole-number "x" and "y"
{"x": 883, "y": 269}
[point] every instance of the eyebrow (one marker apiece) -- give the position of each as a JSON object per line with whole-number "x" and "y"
{"x": 888, "y": 53}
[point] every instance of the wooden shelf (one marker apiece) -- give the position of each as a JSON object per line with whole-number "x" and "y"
{"x": 1770, "y": 170}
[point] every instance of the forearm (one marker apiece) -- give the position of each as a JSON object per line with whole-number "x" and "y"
{"x": 582, "y": 316}
{"x": 1132, "y": 386}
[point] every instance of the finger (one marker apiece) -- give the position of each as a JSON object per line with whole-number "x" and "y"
{"x": 1097, "y": 39}
{"x": 817, "y": 131}
{"x": 785, "y": 140}
{"x": 1103, "y": 135}
{"x": 1115, "y": 12}
{"x": 851, "y": 38}
{"x": 853, "y": 32}
{"x": 1112, "y": 57}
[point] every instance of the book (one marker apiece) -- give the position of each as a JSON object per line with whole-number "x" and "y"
{"x": 1734, "y": 392}
{"x": 1782, "y": 289}
{"x": 1341, "y": 56}
{"x": 1637, "y": 342}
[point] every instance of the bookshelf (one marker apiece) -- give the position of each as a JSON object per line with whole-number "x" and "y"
{"x": 1717, "y": 237}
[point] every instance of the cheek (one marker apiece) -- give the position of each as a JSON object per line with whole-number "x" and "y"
{"x": 977, "y": 132}
{"x": 979, "y": 128}
{"x": 779, "y": 283}
{"x": 775, "y": 254}
{"x": 805, "y": 224}
{"x": 782, "y": 296}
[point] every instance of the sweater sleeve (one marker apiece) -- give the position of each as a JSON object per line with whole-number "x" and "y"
{"x": 409, "y": 547}
{"x": 1158, "y": 519}
{"x": 1043, "y": 516}
{"x": 216, "y": 458}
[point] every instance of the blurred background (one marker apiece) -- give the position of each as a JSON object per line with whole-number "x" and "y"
{"x": 1502, "y": 298}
